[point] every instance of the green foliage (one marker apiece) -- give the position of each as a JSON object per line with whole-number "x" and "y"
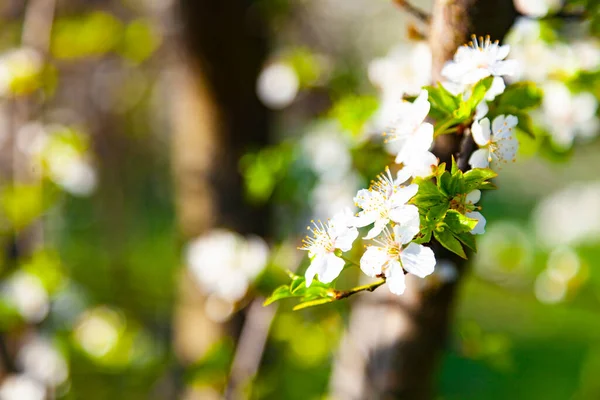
{"x": 306, "y": 64}
{"x": 262, "y": 170}
{"x": 518, "y": 99}
{"x": 317, "y": 293}
{"x": 22, "y": 204}
{"x": 214, "y": 366}
{"x": 352, "y": 112}
{"x": 89, "y": 35}
{"x": 449, "y": 110}
{"x": 442, "y": 206}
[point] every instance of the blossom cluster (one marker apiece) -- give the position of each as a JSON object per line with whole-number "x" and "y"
{"x": 403, "y": 209}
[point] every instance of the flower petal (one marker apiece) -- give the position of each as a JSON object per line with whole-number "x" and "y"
{"x": 404, "y": 213}
{"x": 474, "y": 196}
{"x": 372, "y": 262}
{"x": 316, "y": 267}
{"x": 405, "y": 232}
{"x": 418, "y": 260}
{"x": 332, "y": 269}
{"x": 395, "y": 278}
{"x": 379, "y": 226}
{"x": 481, "y": 131}
{"x": 480, "y": 227}
{"x": 480, "y": 159}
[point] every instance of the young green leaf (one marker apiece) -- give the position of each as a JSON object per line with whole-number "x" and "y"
{"x": 282, "y": 292}
{"x": 468, "y": 240}
{"x": 522, "y": 96}
{"x": 459, "y": 223}
{"x": 313, "y": 303}
{"x": 447, "y": 239}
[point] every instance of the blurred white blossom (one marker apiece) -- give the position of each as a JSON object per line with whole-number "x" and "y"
{"x": 39, "y": 359}
{"x": 568, "y": 116}
{"x": 277, "y": 85}
{"x": 21, "y": 387}
{"x": 570, "y": 216}
{"x": 537, "y": 8}
{"x": 224, "y": 263}
{"x": 18, "y": 70}
{"x": 404, "y": 70}
{"x": 28, "y": 295}
{"x": 327, "y": 151}
{"x": 98, "y": 331}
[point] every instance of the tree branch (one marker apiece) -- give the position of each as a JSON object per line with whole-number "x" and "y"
{"x": 342, "y": 294}
{"x": 414, "y": 11}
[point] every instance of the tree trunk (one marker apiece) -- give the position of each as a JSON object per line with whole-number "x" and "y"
{"x": 216, "y": 118}
{"x": 393, "y": 345}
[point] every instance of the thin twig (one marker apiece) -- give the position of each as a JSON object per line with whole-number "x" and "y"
{"x": 342, "y": 294}
{"x": 414, "y": 11}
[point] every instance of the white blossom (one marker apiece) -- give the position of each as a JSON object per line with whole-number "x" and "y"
{"x": 39, "y": 359}
{"x": 28, "y": 295}
{"x": 472, "y": 198}
{"x": 568, "y": 116}
{"x": 224, "y": 262}
{"x": 414, "y": 136}
{"x": 498, "y": 144}
{"x": 393, "y": 256}
{"x": 337, "y": 233}
{"x": 21, "y": 387}
{"x": 385, "y": 201}
{"x": 482, "y": 58}
{"x": 537, "y": 8}
{"x": 277, "y": 85}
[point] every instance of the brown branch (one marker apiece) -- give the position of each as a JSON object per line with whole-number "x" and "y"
{"x": 414, "y": 11}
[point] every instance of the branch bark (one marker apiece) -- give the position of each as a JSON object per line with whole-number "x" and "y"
{"x": 393, "y": 345}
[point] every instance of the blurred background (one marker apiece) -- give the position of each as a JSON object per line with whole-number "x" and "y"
{"x": 159, "y": 161}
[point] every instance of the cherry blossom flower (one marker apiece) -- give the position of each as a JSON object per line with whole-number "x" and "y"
{"x": 337, "y": 234}
{"x": 393, "y": 257}
{"x": 472, "y": 198}
{"x": 414, "y": 135}
{"x": 385, "y": 201}
{"x": 498, "y": 144}
{"x": 482, "y": 58}
{"x": 568, "y": 116}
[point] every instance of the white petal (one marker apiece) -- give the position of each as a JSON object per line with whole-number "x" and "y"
{"x": 481, "y": 110}
{"x": 395, "y": 278}
{"x": 377, "y": 228}
{"x": 418, "y": 260}
{"x": 421, "y": 106}
{"x": 507, "y": 149}
{"x": 404, "y": 214}
{"x": 405, "y": 232}
{"x": 316, "y": 266}
{"x": 480, "y": 227}
{"x": 480, "y": 159}
{"x": 345, "y": 239}
{"x": 333, "y": 266}
{"x": 372, "y": 262}
{"x": 508, "y": 67}
{"x": 503, "y": 52}
{"x": 365, "y": 218}
{"x": 421, "y": 164}
{"x": 403, "y": 195}
{"x": 496, "y": 89}
{"x": 474, "y": 196}
{"x": 481, "y": 131}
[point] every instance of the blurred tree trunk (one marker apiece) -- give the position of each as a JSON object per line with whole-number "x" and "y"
{"x": 217, "y": 117}
{"x": 394, "y": 344}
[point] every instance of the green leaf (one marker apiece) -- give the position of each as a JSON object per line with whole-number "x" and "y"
{"x": 282, "y": 292}
{"x": 468, "y": 240}
{"x": 523, "y": 96}
{"x": 352, "y": 112}
{"x": 436, "y": 213}
{"x": 297, "y": 285}
{"x": 447, "y": 239}
{"x": 459, "y": 223}
{"x": 313, "y": 303}
{"x": 478, "y": 93}
{"x": 454, "y": 168}
{"x": 476, "y": 179}
{"x": 443, "y": 103}
{"x": 428, "y": 194}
